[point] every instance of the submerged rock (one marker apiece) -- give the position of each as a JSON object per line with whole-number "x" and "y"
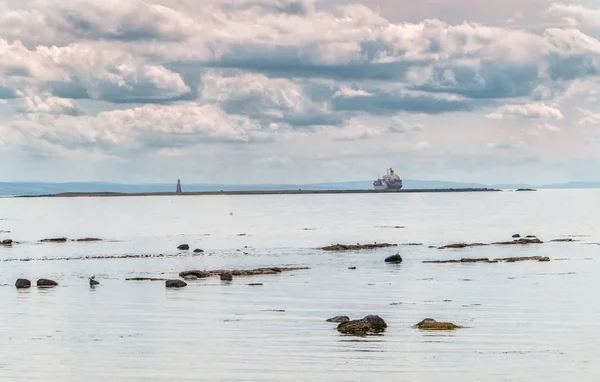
{"x": 197, "y": 273}
{"x": 431, "y": 324}
{"x": 486, "y": 260}
{"x": 349, "y": 247}
{"x": 175, "y": 283}
{"x": 45, "y": 283}
{"x": 462, "y": 245}
{"x": 567, "y": 240}
{"x": 463, "y": 260}
{"x": 23, "y": 284}
{"x": 55, "y": 240}
{"x": 226, "y": 276}
{"x": 394, "y": 259}
{"x": 339, "y": 319}
{"x": 368, "y": 325}
{"x": 183, "y": 247}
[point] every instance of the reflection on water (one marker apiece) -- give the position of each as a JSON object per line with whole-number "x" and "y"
{"x": 523, "y": 321}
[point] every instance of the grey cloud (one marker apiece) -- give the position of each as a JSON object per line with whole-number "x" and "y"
{"x": 388, "y": 103}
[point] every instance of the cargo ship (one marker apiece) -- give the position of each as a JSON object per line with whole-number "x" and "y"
{"x": 390, "y": 181}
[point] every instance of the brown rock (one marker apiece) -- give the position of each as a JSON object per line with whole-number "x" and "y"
{"x": 226, "y": 276}
{"x": 339, "y": 319}
{"x": 45, "y": 283}
{"x": 368, "y": 325}
{"x": 7, "y": 242}
{"x": 175, "y": 283}
{"x": 23, "y": 284}
{"x": 431, "y": 324}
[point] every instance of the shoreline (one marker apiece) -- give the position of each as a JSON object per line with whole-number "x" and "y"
{"x": 256, "y": 192}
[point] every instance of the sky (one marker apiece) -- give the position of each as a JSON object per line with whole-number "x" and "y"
{"x": 299, "y": 91}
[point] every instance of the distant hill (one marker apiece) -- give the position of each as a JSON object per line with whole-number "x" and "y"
{"x": 39, "y": 188}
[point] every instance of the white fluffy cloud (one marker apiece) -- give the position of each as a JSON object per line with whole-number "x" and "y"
{"x": 532, "y": 110}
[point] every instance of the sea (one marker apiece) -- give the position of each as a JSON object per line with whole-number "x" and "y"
{"x": 522, "y": 321}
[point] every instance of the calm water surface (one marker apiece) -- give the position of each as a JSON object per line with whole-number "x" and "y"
{"x": 526, "y": 321}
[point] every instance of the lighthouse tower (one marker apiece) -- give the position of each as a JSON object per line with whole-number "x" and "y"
{"x": 178, "y": 186}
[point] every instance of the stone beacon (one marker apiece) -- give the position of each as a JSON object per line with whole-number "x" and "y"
{"x": 178, "y": 186}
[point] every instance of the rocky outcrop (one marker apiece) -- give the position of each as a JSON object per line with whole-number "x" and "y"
{"x": 183, "y": 247}
{"x": 395, "y": 259}
{"x": 462, "y": 245}
{"x": 525, "y": 241}
{"x": 431, "y": 324}
{"x": 487, "y": 260}
{"x": 23, "y": 284}
{"x": 368, "y": 325}
{"x": 226, "y": 276}
{"x": 46, "y": 283}
{"x": 54, "y": 240}
{"x": 198, "y": 274}
{"x": 339, "y": 319}
{"x": 175, "y": 283}
{"x": 242, "y": 272}
{"x": 350, "y": 247}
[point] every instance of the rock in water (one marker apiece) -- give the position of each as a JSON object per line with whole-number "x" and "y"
{"x": 339, "y": 319}
{"x": 394, "y": 259}
{"x": 23, "y": 284}
{"x": 7, "y": 242}
{"x": 94, "y": 282}
{"x": 368, "y": 325}
{"x": 190, "y": 277}
{"x": 183, "y": 247}
{"x": 175, "y": 283}
{"x": 431, "y": 324}
{"x": 516, "y": 236}
{"x": 227, "y": 276}
{"x": 45, "y": 283}
{"x": 198, "y": 250}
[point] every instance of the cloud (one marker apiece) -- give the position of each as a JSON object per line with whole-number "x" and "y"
{"x": 48, "y": 104}
{"x": 397, "y": 125}
{"x": 532, "y": 110}
{"x": 147, "y": 128}
{"x": 589, "y": 117}
{"x": 509, "y": 144}
{"x": 575, "y": 14}
{"x": 269, "y": 100}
